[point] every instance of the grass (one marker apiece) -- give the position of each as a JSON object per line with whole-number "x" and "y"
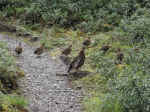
{"x": 98, "y": 94}
{"x": 12, "y": 103}
{"x": 102, "y": 95}
{"x": 97, "y": 88}
{"x": 95, "y": 104}
{"x": 56, "y": 39}
{"x": 10, "y": 100}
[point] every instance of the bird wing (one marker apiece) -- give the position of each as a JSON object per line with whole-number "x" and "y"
{"x": 81, "y": 61}
{"x": 73, "y": 64}
{"x": 37, "y": 50}
{"x": 65, "y": 50}
{"x": 77, "y": 62}
{"x": 18, "y": 49}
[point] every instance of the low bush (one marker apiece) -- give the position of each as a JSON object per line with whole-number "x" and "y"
{"x": 8, "y": 82}
{"x": 88, "y": 15}
{"x": 137, "y": 27}
{"x": 12, "y": 103}
{"x": 8, "y": 76}
{"x": 127, "y": 82}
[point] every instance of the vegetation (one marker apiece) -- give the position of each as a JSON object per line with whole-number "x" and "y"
{"x": 101, "y": 15}
{"x": 10, "y": 101}
{"x": 123, "y": 24}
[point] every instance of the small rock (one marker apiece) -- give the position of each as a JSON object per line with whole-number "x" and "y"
{"x": 35, "y": 109}
{"x": 55, "y": 86}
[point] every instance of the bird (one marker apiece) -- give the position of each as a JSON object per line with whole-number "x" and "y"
{"x": 86, "y": 42}
{"x": 19, "y": 49}
{"x": 78, "y": 61}
{"x": 136, "y": 49}
{"x": 67, "y": 51}
{"x": 40, "y": 49}
{"x": 120, "y": 56}
{"x": 105, "y": 48}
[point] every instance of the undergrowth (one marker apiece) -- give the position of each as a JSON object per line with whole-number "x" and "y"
{"x": 86, "y": 15}
{"x": 112, "y": 87}
{"x": 122, "y": 24}
{"x": 10, "y": 100}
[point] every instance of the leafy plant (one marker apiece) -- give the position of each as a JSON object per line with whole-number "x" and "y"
{"x": 12, "y": 103}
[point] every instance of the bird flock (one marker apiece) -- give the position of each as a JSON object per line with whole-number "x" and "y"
{"x": 77, "y": 61}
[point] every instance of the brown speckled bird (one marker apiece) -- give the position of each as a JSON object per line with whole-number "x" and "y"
{"x": 67, "y": 51}
{"x": 77, "y": 61}
{"x": 40, "y": 49}
{"x": 105, "y": 48}
{"x": 86, "y": 42}
{"x": 136, "y": 49}
{"x": 19, "y": 49}
{"x": 120, "y": 56}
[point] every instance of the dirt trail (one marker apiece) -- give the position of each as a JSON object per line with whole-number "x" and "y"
{"x": 45, "y": 91}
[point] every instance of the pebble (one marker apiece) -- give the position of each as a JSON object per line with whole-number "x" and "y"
{"x": 45, "y": 91}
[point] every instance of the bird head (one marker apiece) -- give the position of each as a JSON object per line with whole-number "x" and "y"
{"x": 70, "y": 45}
{"x": 118, "y": 50}
{"x": 88, "y": 39}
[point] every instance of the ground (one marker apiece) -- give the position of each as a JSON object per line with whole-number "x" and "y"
{"x": 45, "y": 91}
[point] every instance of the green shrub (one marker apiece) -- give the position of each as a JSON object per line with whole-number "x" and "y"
{"x": 103, "y": 103}
{"x": 8, "y": 69}
{"x": 127, "y": 85}
{"x": 12, "y": 103}
{"x": 10, "y": 7}
{"x": 89, "y": 15}
{"x": 7, "y": 62}
{"x": 8, "y": 82}
{"x": 132, "y": 90}
{"x": 137, "y": 28}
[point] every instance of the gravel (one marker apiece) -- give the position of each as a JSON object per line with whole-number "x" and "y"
{"x": 45, "y": 91}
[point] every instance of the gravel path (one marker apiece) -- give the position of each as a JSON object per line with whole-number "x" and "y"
{"x": 45, "y": 91}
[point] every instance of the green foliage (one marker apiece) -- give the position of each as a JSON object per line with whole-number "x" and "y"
{"x": 117, "y": 88}
{"x": 8, "y": 82}
{"x": 103, "y": 103}
{"x": 133, "y": 92}
{"x": 105, "y": 65}
{"x": 7, "y": 62}
{"x": 13, "y": 100}
{"x": 11, "y": 103}
{"x": 137, "y": 28}
{"x": 130, "y": 83}
{"x": 88, "y": 15}
{"x": 114, "y": 88}
{"x": 10, "y": 7}
{"x": 7, "y": 69}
